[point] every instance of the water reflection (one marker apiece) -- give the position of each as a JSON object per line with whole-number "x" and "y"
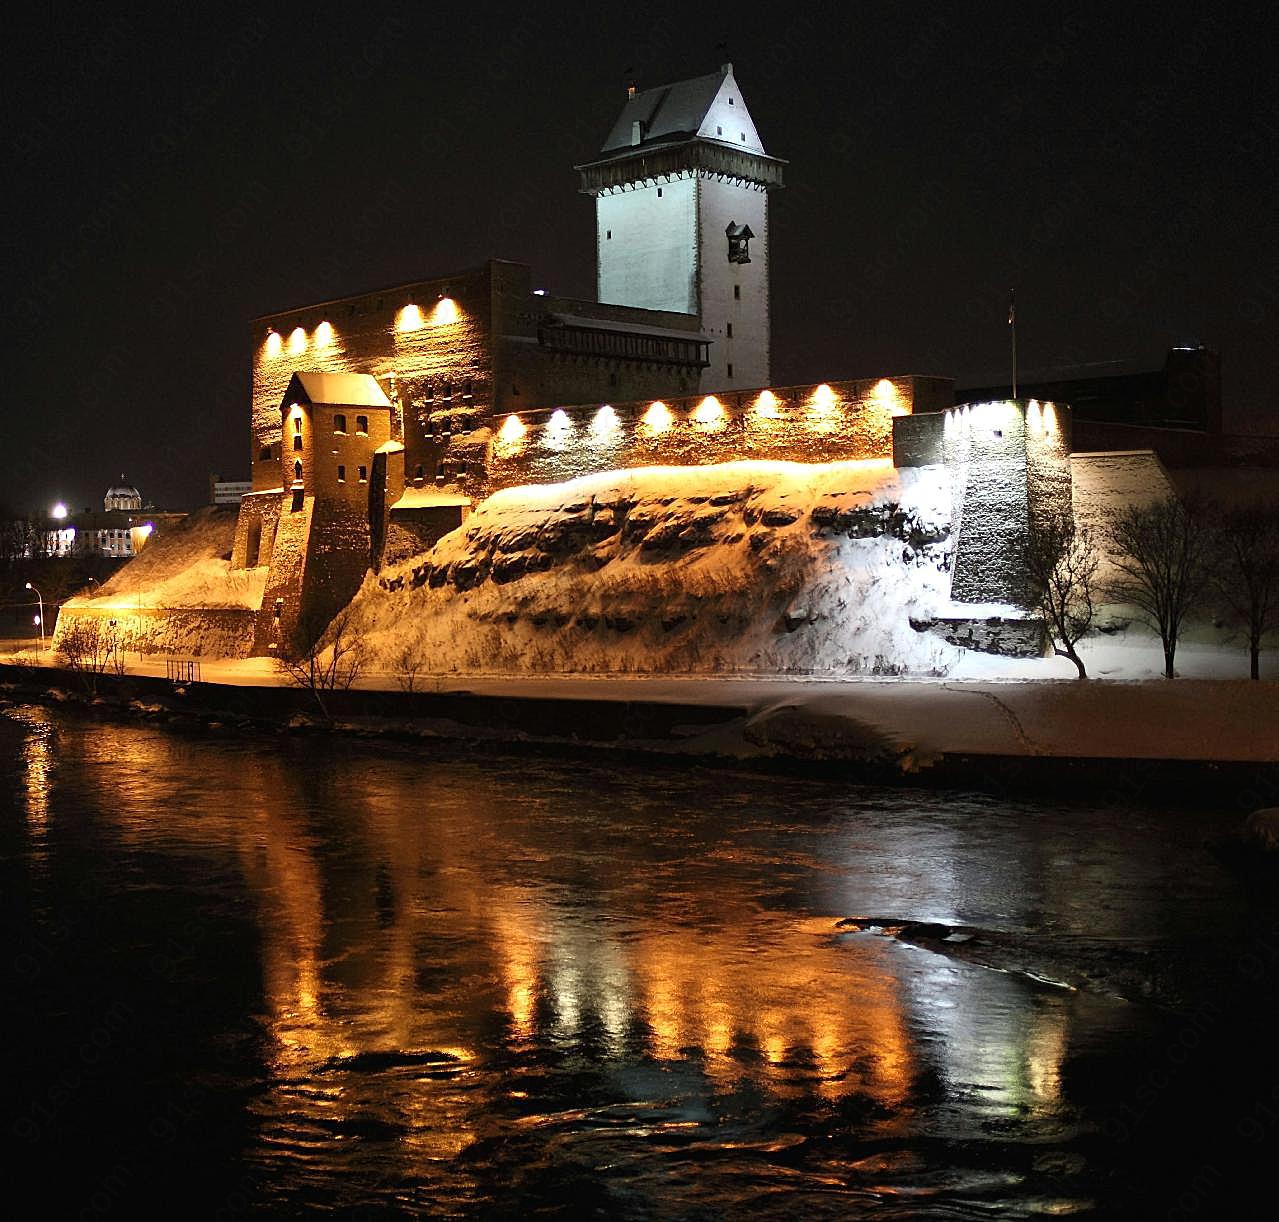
{"x": 458, "y": 958}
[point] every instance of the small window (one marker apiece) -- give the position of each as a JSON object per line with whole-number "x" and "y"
{"x": 297, "y": 499}
{"x": 743, "y": 137}
{"x": 297, "y": 440}
{"x": 364, "y": 475}
{"x": 341, "y": 474}
{"x": 612, "y": 379}
{"x": 339, "y": 423}
{"x": 264, "y": 454}
{"x": 730, "y": 369}
{"x": 448, "y": 390}
{"x": 297, "y": 469}
{"x": 467, "y": 389}
{"x": 737, "y": 292}
{"x": 361, "y": 424}
{"x": 730, "y": 101}
{"x": 608, "y": 235}
{"x": 659, "y": 192}
{"x": 279, "y": 608}
{"x": 719, "y": 131}
{"x": 430, "y": 391}
{"x": 420, "y": 473}
{"x": 729, "y": 330}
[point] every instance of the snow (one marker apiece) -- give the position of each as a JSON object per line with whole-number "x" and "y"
{"x": 429, "y": 498}
{"x": 677, "y": 569}
{"x": 185, "y": 565}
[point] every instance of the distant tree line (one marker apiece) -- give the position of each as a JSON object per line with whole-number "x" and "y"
{"x": 1173, "y": 558}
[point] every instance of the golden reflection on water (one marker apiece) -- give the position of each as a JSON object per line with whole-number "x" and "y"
{"x": 401, "y": 925}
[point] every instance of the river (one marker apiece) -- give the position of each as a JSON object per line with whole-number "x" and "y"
{"x": 265, "y": 977}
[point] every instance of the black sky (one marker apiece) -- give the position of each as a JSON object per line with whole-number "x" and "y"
{"x": 174, "y": 175}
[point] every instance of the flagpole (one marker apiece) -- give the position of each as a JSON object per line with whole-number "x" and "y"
{"x": 1012, "y": 324}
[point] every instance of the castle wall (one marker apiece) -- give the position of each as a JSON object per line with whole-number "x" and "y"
{"x": 428, "y": 356}
{"x": 1007, "y": 459}
{"x": 811, "y": 424}
{"x": 1104, "y": 485}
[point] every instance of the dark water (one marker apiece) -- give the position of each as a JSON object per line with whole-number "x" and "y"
{"x": 271, "y": 978}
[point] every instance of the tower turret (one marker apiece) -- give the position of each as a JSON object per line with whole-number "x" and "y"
{"x": 681, "y": 213}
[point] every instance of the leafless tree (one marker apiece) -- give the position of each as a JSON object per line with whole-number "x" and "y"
{"x": 325, "y": 658}
{"x": 1247, "y": 571}
{"x": 86, "y": 646}
{"x": 408, "y": 663}
{"x": 1164, "y": 563}
{"x": 1061, "y": 561}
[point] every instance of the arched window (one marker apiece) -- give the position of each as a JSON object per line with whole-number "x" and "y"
{"x": 339, "y": 423}
{"x": 297, "y": 470}
{"x": 361, "y": 424}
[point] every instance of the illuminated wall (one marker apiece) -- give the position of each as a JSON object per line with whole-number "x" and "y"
{"x": 429, "y": 344}
{"x": 822, "y": 423}
{"x": 1006, "y": 457}
{"x": 734, "y": 296}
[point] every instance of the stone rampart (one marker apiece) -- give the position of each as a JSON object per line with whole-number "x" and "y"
{"x": 827, "y": 422}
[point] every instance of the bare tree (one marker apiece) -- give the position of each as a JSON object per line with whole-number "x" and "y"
{"x": 1247, "y": 571}
{"x": 86, "y": 646}
{"x": 325, "y": 658}
{"x": 1164, "y": 554}
{"x": 408, "y": 662}
{"x": 1061, "y": 561}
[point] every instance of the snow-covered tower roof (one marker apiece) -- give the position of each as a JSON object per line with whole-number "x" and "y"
{"x": 701, "y": 123}
{"x": 335, "y": 389}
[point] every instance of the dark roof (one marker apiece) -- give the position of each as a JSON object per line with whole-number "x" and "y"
{"x": 667, "y": 112}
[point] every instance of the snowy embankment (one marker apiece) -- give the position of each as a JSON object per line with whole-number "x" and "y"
{"x": 180, "y": 593}
{"x": 752, "y": 566}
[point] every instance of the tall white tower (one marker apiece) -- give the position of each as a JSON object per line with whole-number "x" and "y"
{"x": 681, "y": 214}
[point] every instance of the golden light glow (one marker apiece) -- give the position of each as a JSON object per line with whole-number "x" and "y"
{"x": 295, "y": 410}
{"x": 709, "y": 414}
{"x": 59, "y": 511}
{"x": 766, "y": 406}
{"x": 887, "y": 396}
{"x": 297, "y": 341}
{"x": 324, "y": 335}
{"x": 658, "y": 418}
{"x": 410, "y": 318}
{"x": 511, "y": 435}
{"x": 558, "y": 431}
{"x": 605, "y": 425}
{"x": 138, "y": 536}
{"x": 445, "y": 312}
{"x": 274, "y": 343}
{"x": 824, "y": 399}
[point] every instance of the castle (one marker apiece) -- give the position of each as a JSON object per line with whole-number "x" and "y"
{"x": 379, "y": 419}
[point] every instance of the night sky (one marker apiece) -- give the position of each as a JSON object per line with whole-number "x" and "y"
{"x": 171, "y": 177}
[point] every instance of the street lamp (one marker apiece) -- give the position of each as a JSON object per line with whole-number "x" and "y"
{"x": 40, "y": 603}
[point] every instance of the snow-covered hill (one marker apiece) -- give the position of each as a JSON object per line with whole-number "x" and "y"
{"x": 751, "y": 566}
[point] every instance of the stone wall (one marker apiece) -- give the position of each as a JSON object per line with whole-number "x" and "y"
{"x": 1006, "y": 459}
{"x": 1103, "y": 485}
{"x": 814, "y": 424}
{"x": 193, "y": 632}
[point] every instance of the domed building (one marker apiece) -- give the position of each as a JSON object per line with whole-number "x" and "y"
{"x": 122, "y": 496}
